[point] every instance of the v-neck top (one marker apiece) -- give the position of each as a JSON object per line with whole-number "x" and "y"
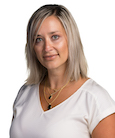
{"x": 76, "y": 117}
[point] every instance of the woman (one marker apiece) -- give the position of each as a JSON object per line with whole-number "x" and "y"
{"x": 58, "y": 99}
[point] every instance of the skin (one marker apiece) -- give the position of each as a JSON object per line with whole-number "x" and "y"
{"x": 106, "y": 128}
{"x": 51, "y": 45}
{"x": 51, "y": 49}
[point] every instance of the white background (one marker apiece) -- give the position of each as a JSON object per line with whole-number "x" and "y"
{"x": 96, "y": 23}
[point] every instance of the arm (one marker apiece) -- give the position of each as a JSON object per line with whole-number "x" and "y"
{"x": 106, "y": 128}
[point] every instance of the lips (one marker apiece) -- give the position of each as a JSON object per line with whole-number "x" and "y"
{"x": 50, "y": 57}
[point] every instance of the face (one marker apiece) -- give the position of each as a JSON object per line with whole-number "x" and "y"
{"x": 51, "y": 46}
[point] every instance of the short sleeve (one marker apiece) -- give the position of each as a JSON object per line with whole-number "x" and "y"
{"x": 18, "y": 97}
{"x": 101, "y": 106}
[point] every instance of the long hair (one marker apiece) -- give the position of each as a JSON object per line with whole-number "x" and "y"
{"x": 76, "y": 64}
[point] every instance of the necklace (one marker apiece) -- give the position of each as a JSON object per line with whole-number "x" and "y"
{"x": 49, "y": 106}
{"x": 55, "y": 91}
{"x": 51, "y": 94}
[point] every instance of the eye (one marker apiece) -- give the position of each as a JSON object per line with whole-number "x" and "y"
{"x": 38, "y": 40}
{"x": 55, "y": 37}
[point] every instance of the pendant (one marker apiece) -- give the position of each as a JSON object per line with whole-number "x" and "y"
{"x": 49, "y": 106}
{"x": 50, "y": 96}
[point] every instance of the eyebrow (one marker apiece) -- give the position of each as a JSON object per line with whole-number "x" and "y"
{"x": 53, "y": 32}
{"x": 48, "y": 33}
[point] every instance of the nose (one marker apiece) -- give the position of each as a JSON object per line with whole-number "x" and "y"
{"x": 48, "y": 45}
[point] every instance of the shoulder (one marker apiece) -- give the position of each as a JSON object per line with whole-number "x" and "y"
{"x": 23, "y": 93}
{"x": 91, "y": 86}
{"x": 98, "y": 95}
{"x": 94, "y": 89}
{"x": 98, "y": 101}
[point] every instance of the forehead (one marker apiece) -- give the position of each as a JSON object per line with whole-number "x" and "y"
{"x": 51, "y": 24}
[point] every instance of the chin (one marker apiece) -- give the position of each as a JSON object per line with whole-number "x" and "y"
{"x": 56, "y": 67}
{"x": 51, "y": 67}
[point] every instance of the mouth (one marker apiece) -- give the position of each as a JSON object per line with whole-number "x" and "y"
{"x": 50, "y": 57}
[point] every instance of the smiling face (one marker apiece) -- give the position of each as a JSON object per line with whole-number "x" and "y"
{"x": 51, "y": 46}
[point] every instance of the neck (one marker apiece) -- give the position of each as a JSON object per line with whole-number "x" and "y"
{"x": 56, "y": 79}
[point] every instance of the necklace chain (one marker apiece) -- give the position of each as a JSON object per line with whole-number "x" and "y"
{"x": 55, "y": 90}
{"x": 51, "y": 94}
{"x": 59, "y": 91}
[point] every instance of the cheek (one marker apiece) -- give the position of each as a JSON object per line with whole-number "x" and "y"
{"x": 62, "y": 45}
{"x": 38, "y": 53}
{"x": 64, "y": 52}
{"x": 65, "y": 49}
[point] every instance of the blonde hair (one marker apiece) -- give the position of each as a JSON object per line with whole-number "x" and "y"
{"x": 76, "y": 64}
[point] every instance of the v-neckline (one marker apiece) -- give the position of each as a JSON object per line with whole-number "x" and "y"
{"x": 39, "y": 101}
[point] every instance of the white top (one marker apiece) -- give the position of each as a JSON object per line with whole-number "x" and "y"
{"x": 76, "y": 117}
